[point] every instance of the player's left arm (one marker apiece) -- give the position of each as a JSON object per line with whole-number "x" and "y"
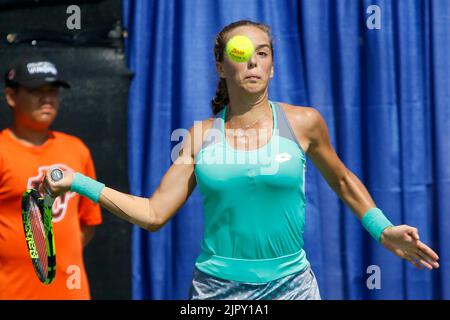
{"x": 402, "y": 240}
{"x": 321, "y": 152}
{"x": 89, "y": 213}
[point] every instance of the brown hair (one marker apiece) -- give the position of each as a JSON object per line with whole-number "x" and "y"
{"x": 221, "y": 98}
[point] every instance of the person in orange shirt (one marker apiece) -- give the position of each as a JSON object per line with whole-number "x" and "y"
{"x": 28, "y": 148}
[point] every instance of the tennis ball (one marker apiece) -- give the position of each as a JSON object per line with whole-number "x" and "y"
{"x": 240, "y": 48}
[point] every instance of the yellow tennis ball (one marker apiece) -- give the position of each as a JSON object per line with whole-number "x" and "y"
{"x": 240, "y": 48}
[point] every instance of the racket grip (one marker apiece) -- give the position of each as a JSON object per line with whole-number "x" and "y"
{"x": 56, "y": 175}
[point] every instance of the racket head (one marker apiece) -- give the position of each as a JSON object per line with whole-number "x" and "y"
{"x": 38, "y": 228}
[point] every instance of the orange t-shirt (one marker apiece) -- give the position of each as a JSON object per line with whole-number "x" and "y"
{"x": 22, "y": 166}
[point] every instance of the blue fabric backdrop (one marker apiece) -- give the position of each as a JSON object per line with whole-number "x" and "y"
{"x": 384, "y": 94}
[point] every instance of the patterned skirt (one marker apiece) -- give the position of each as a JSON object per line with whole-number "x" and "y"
{"x": 298, "y": 286}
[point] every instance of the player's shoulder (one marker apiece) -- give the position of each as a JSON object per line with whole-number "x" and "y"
{"x": 297, "y": 111}
{"x": 197, "y": 133}
{"x": 199, "y": 129}
{"x": 202, "y": 125}
{"x": 301, "y": 115}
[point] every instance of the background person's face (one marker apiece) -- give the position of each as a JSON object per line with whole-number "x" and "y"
{"x": 252, "y": 76}
{"x": 34, "y": 108}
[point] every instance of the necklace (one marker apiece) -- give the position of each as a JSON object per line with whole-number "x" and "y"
{"x": 241, "y": 131}
{"x": 247, "y": 126}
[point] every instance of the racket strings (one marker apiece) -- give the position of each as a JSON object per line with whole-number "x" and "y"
{"x": 39, "y": 236}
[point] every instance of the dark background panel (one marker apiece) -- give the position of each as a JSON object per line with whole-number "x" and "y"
{"x": 20, "y": 15}
{"x": 94, "y": 109}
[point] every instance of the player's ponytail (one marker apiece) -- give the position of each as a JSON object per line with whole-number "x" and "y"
{"x": 221, "y": 98}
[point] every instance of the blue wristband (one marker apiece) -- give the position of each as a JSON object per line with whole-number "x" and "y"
{"x": 87, "y": 187}
{"x": 375, "y": 222}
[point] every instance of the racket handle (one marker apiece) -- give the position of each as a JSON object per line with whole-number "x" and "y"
{"x": 56, "y": 175}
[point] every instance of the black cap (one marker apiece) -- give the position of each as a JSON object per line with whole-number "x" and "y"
{"x": 33, "y": 73}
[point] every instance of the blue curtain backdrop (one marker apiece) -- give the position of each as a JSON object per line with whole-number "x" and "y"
{"x": 384, "y": 94}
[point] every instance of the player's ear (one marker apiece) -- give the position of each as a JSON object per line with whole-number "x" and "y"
{"x": 219, "y": 69}
{"x": 271, "y": 72}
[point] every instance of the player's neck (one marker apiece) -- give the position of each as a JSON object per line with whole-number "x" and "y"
{"x": 29, "y": 136}
{"x": 245, "y": 108}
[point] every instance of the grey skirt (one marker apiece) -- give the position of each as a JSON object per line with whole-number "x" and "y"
{"x": 298, "y": 286}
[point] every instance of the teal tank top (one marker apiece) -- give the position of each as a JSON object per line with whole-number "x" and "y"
{"x": 254, "y": 204}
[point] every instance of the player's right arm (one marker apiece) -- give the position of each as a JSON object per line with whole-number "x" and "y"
{"x": 175, "y": 188}
{"x": 152, "y": 213}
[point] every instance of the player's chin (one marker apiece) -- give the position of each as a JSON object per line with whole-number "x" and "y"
{"x": 254, "y": 87}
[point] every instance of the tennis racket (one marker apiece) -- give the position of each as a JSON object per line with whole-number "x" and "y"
{"x": 37, "y": 224}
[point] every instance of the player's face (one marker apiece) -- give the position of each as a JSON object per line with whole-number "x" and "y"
{"x": 252, "y": 76}
{"x": 34, "y": 108}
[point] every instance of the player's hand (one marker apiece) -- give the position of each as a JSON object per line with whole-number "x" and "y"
{"x": 56, "y": 188}
{"x": 404, "y": 241}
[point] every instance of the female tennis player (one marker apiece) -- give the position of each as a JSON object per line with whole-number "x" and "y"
{"x": 249, "y": 163}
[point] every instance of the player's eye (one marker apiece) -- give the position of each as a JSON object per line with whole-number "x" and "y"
{"x": 262, "y": 54}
